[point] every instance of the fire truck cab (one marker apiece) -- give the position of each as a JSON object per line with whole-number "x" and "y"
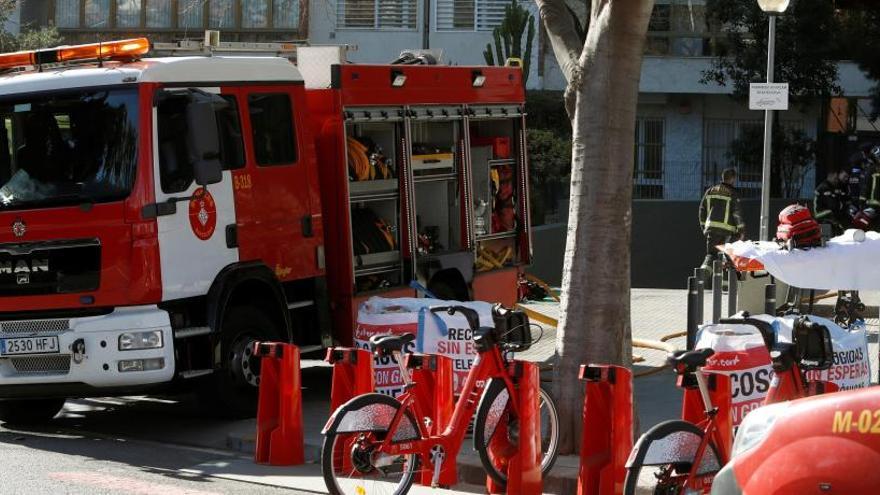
{"x": 159, "y": 215}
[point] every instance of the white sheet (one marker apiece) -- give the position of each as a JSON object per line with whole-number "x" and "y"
{"x": 842, "y": 264}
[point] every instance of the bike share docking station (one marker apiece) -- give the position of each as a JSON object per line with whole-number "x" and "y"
{"x": 432, "y": 375}
{"x": 352, "y": 374}
{"x": 523, "y": 464}
{"x": 279, "y": 410}
{"x": 607, "y": 436}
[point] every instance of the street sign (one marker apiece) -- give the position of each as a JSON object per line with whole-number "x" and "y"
{"x": 768, "y": 96}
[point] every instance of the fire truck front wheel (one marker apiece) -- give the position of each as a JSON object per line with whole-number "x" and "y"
{"x": 29, "y": 411}
{"x": 235, "y": 384}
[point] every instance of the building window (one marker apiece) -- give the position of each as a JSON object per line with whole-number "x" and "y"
{"x": 285, "y": 14}
{"x": 67, "y": 13}
{"x": 648, "y": 166}
{"x": 190, "y": 14}
{"x": 254, "y": 14}
{"x": 377, "y": 14}
{"x": 128, "y": 13}
{"x": 97, "y": 13}
{"x": 469, "y": 15}
{"x": 222, "y": 14}
{"x": 272, "y": 129}
{"x": 158, "y": 13}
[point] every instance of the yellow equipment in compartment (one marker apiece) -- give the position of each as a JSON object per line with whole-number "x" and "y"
{"x": 362, "y": 166}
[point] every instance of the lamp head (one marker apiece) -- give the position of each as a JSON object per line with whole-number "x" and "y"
{"x": 773, "y": 6}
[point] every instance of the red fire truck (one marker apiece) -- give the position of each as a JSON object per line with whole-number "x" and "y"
{"x": 157, "y": 215}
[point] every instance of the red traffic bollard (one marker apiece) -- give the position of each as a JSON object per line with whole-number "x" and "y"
{"x": 432, "y": 375}
{"x": 524, "y": 466}
{"x": 693, "y": 410}
{"x": 607, "y": 436}
{"x": 352, "y": 374}
{"x": 279, "y": 411}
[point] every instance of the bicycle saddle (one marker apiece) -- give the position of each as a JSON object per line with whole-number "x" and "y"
{"x": 387, "y": 344}
{"x": 689, "y": 361}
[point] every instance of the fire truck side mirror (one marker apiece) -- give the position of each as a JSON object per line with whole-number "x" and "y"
{"x": 204, "y": 142}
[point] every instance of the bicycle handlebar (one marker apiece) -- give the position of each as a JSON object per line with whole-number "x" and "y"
{"x": 763, "y": 327}
{"x": 471, "y": 315}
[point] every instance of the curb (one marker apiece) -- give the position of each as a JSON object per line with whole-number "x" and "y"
{"x": 247, "y": 444}
{"x": 562, "y": 478}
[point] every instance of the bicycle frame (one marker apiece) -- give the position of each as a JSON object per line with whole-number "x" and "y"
{"x": 711, "y": 434}
{"x": 489, "y": 364}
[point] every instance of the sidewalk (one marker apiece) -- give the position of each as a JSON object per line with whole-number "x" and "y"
{"x": 655, "y": 313}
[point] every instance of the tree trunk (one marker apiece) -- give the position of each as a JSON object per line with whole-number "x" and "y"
{"x": 601, "y": 99}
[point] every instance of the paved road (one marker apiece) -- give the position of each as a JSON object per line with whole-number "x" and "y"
{"x": 52, "y": 461}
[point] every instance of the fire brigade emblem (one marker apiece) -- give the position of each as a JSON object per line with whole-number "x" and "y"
{"x": 202, "y": 214}
{"x": 19, "y": 227}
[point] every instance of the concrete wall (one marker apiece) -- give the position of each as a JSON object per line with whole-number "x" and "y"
{"x": 666, "y": 242}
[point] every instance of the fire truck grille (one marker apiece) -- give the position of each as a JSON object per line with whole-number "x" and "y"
{"x": 34, "y": 326}
{"x": 41, "y": 365}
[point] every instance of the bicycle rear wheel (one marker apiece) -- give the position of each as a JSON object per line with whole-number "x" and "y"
{"x": 351, "y": 462}
{"x": 662, "y": 459}
{"x": 492, "y": 429}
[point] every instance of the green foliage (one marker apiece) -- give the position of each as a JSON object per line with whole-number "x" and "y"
{"x": 29, "y": 38}
{"x": 33, "y": 39}
{"x": 508, "y": 38}
{"x": 549, "y": 170}
{"x": 546, "y": 110}
{"x": 793, "y": 154}
{"x": 805, "y": 47}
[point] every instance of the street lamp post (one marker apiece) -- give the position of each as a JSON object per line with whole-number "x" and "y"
{"x": 773, "y": 8}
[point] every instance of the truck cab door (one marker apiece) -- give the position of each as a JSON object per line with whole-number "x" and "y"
{"x": 191, "y": 219}
{"x": 272, "y": 192}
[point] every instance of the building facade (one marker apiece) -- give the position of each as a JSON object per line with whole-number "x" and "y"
{"x": 168, "y": 20}
{"x": 685, "y": 128}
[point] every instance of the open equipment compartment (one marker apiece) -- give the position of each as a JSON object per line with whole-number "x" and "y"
{"x": 373, "y": 154}
{"x": 496, "y": 177}
{"x": 437, "y": 142}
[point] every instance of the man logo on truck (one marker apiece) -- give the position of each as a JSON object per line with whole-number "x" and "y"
{"x": 24, "y": 266}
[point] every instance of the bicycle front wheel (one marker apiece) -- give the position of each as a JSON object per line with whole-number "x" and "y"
{"x": 351, "y": 458}
{"x": 661, "y": 461}
{"x": 495, "y": 436}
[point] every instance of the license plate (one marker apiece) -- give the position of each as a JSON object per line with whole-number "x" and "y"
{"x": 29, "y": 345}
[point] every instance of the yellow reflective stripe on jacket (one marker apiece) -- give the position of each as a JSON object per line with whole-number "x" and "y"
{"x": 874, "y": 200}
{"x": 722, "y": 226}
{"x": 725, "y": 224}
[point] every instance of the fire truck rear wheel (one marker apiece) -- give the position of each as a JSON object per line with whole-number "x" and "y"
{"x": 29, "y": 411}
{"x": 236, "y": 383}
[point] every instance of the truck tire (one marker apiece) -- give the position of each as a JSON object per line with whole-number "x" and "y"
{"x": 233, "y": 391}
{"x": 29, "y": 411}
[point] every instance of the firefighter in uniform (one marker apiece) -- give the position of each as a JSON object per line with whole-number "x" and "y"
{"x": 871, "y": 186}
{"x": 720, "y": 215}
{"x": 831, "y": 201}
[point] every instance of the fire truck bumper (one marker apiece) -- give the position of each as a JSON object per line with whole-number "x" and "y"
{"x": 124, "y": 350}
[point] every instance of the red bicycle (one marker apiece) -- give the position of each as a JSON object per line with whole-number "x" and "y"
{"x": 679, "y": 457}
{"x": 375, "y": 443}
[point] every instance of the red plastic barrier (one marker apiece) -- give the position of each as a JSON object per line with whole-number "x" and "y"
{"x": 524, "y": 465}
{"x": 352, "y": 374}
{"x": 279, "y": 411}
{"x": 693, "y": 410}
{"x": 432, "y": 375}
{"x": 607, "y": 436}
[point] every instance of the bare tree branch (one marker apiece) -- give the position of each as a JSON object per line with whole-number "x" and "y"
{"x": 562, "y": 35}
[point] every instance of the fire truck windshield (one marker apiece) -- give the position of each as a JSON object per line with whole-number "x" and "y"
{"x": 68, "y": 147}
